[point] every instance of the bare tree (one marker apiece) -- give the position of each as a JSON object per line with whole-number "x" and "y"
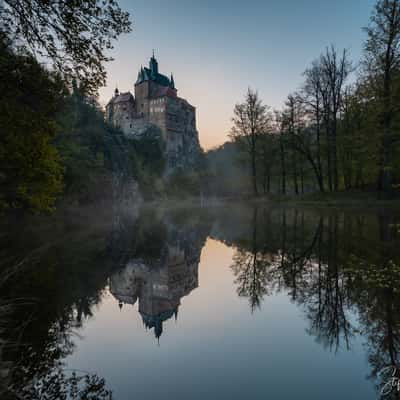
{"x": 335, "y": 70}
{"x": 301, "y": 139}
{"x": 251, "y": 119}
{"x": 281, "y": 132}
{"x": 292, "y": 127}
{"x": 311, "y": 97}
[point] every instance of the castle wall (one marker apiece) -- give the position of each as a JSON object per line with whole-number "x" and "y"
{"x": 142, "y": 94}
{"x": 182, "y": 137}
{"x": 158, "y": 113}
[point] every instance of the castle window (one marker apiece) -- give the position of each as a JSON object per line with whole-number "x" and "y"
{"x": 130, "y": 125}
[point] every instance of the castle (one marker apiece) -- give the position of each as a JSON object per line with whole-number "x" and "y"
{"x": 156, "y": 104}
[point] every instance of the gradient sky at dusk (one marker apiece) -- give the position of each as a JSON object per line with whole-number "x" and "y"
{"x": 216, "y": 49}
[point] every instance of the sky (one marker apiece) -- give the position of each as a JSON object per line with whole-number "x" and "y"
{"x": 217, "y": 49}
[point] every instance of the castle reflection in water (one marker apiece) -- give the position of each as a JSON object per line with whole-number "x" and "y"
{"x": 158, "y": 284}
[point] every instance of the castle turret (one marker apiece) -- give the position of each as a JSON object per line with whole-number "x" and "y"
{"x": 153, "y": 65}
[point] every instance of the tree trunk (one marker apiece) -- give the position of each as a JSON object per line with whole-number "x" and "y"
{"x": 295, "y": 177}
{"x": 283, "y": 167}
{"x": 320, "y": 175}
{"x": 329, "y": 159}
{"x": 334, "y": 154}
{"x": 254, "y": 166}
{"x": 302, "y": 178}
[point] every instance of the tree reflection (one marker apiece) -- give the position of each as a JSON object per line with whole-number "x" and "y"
{"x": 377, "y": 296}
{"x": 341, "y": 268}
{"x": 251, "y": 270}
{"x": 332, "y": 264}
{"x": 57, "y": 289}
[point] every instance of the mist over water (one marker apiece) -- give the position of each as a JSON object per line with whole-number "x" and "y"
{"x": 231, "y": 301}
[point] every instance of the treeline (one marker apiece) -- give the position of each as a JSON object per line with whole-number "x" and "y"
{"x": 335, "y": 133}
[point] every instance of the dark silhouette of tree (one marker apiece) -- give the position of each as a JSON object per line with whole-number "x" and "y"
{"x": 62, "y": 385}
{"x": 382, "y": 62}
{"x": 251, "y": 120}
{"x": 250, "y": 268}
{"x": 335, "y": 70}
{"x": 311, "y": 97}
{"x": 72, "y": 35}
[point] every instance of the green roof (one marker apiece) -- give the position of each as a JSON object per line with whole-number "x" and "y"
{"x": 152, "y": 74}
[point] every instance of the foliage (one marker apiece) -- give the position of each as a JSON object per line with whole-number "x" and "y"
{"x": 227, "y": 172}
{"x": 73, "y": 35}
{"x": 147, "y": 156}
{"x": 382, "y": 67}
{"x": 181, "y": 184}
{"x": 30, "y": 168}
{"x": 34, "y": 153}
{"x": 57, "y": 385}
{"x": 83, "y": 147}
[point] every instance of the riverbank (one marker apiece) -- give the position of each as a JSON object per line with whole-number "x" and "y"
{"x": 354, "y": 199}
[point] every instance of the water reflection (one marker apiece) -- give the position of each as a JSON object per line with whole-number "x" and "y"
{"x": 330, "y": 265}
{"x": 159, "y": 280}
{"x": 340, "y": 267}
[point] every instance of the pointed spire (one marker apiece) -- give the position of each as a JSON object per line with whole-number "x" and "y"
{"x": 140, "y": 77}
{"x": 116, "y": 91}
{"x": 172, "y": 81}
{"x": 153, "y": 65}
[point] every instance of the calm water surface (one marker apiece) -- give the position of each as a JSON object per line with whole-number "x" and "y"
{"x": 232, "y": 302}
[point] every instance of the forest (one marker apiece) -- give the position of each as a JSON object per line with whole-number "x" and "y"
{"x": 338, "y": 132}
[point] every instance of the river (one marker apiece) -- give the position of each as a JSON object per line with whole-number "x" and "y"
{"x": 225, "y": 302}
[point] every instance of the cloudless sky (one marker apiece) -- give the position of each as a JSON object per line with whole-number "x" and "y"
{"x": 217, "y": 49}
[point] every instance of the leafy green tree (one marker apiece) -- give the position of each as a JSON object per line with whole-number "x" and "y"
{"x": 382, "y": 62}
{"x": 30, "y": 168}
{"x": 147, "y": 156}
{"x": 83, "y": 147}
